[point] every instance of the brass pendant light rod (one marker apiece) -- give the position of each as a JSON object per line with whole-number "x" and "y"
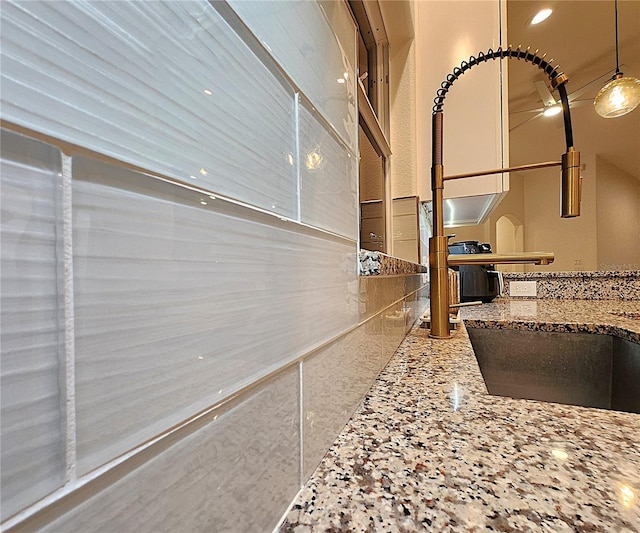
{"x": 617, "y": 74}
{"x": 617, "y": 58}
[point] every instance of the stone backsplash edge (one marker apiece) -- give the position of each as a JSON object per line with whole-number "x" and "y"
{"x": 597, "y": 285}
{"x": 379, "y": 264}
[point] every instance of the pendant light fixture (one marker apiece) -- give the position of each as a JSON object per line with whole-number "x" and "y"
{"x": 620, "y": 95}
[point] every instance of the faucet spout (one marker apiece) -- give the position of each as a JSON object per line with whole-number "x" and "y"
{"x": 571, "y": 190}
{"x": 535, "y": 258}
{"x": 439, "y": 258}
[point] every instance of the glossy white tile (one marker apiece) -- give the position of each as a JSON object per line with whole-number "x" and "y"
{"x": 417, "y": 304}
{"x": 167, "y": 86}
{"x": 335, "y": 380}
{"x": 379, "y": 292}
{"x": 179, "y": 304}
{"x": 236, "y": 473}
{"x": 32, "y": 367}
{"x": 395, "y": 320}
{"x": 342, "y": 24}
{"x": 328, "y": 197}
{"x": 319, "y": 58}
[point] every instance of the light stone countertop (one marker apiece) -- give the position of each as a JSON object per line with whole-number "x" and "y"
{"x": 616, "y": 285}
{"x": 430, "y": 450}
{"x": 605, "y": 317}
{"x": 379, "y": 264}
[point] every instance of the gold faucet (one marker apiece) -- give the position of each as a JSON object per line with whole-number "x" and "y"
{"x": 439, "y": 258}
{"x": 537, "y": 258}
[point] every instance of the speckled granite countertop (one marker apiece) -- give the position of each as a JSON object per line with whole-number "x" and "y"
{"x": 603, "y": 285}
{"x": 605, "y": 317}
{"x": 430, "y": 450}
{"x": 379, "y": 264}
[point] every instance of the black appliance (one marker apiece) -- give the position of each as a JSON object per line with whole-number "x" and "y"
{"x": 477, "y": 282}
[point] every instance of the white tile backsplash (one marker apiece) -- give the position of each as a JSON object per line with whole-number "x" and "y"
{"x": 337, "y": 377}
{"x": 237, "y": 473}
{"x": 32, "y": 419}
{"x": 395, "y": 323}
{"x": 335, "y": 380}
{"x": 328, "y": 173}
{"x": 314, "y": 53}
{"x": 132, "y": 80}
{"x": 180, "y": 299}
{"x": 170, "y": 292}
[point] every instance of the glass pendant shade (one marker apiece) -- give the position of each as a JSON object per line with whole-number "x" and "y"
{"x": 618, "y": 97}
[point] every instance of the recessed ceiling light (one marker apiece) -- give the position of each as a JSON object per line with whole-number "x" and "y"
{"x": 541, "y": 15}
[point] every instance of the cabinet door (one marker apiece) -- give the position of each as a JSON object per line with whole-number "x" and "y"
{"x": 475, "y": 133}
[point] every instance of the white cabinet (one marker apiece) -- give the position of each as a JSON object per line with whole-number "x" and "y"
{"x": 475, "y": 109}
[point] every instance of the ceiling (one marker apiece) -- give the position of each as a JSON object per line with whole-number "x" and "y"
{"x": 580, "y": 36}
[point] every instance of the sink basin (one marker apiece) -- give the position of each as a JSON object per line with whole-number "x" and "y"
{"x": 570, "y": 368}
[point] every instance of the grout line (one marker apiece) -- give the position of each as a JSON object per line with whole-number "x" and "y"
{"x": 266, "y": 57}
{"x": 301, "y": 407}
{"x": 296, "y": 115}
{"x": 69, "y": 317}
{"x": 78, "y": 150}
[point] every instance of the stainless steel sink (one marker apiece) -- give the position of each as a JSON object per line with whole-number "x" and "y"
{"x": 570, "y": 368}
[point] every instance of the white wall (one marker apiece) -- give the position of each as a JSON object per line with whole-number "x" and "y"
{"x": 602, "y": 238}
{"x": 399, "y": 22}
{"x": 534, "y": 199}
{"x": 618, "y": 216}
{"x": 573, "y": 240}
